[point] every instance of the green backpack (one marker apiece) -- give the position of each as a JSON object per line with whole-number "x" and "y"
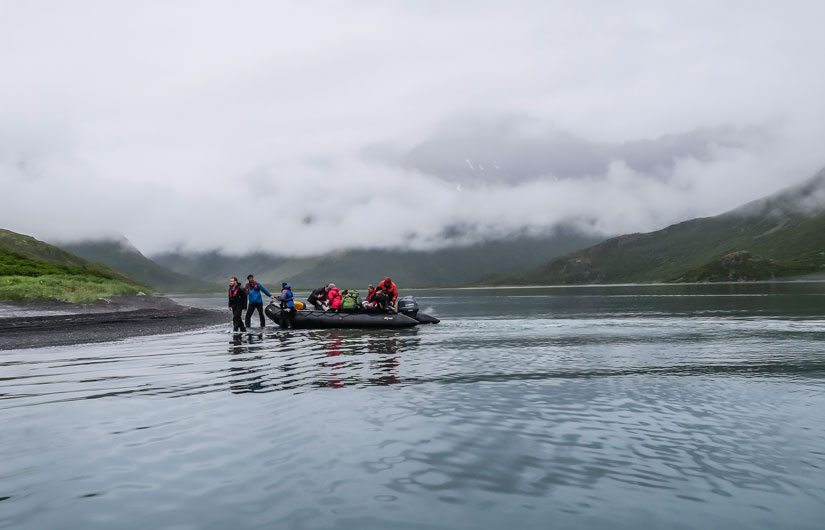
{"x": 350, "y": 301}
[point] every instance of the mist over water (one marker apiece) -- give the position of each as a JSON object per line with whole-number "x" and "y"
{"x": 585, "y": 407}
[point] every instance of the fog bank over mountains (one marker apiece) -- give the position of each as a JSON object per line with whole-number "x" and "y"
{"x": 457, "y": 189}
{"x": 513, "y": 150}
{"x": 300, "y": 130}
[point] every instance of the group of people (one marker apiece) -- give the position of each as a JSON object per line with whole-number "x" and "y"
{"x": 330, "y": 298}
{"x": 249, "y": 298}
{"x": 326, "y": 298}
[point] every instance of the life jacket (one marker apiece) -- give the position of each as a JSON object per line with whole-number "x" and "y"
{"x": 350, "y": 300}
{"x": 253, "y": 286}
{"x": 236, "y": 295}
{"x": 287, "y": 297}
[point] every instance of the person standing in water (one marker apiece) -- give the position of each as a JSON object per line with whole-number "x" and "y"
{"x": 253, "y": 293}
{"x": 237, "y": 303}
{"x": 287, "y": 300}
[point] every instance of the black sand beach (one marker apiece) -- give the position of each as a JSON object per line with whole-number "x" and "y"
{"x": 50, "y": 323}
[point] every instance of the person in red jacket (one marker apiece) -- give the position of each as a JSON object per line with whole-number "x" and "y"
{"x": 390, "y": 288}
{"x": 386, "y": 294}
{"x": 334, "y": 297}
{"x": 370, "y": 294}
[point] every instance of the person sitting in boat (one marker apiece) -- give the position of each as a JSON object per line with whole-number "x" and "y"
{"x": 351, "y": 300}
{"x": 287, "y": 300}
{"x": 370, "y": 303}
{"x": 334, "y": 298}
{"x": 386, "y": 294}
{"x": 318, "y": 296}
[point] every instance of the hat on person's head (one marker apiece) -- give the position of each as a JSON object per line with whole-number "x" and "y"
{"x": 387, "y": 280}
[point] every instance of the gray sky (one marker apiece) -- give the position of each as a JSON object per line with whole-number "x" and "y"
{"x": 309, "y": 126}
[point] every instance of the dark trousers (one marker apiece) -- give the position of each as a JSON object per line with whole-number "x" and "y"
{"x": 287, "y": 317}
{"x": 237, "y": 318}
{"x": 315, "y": 303}
{"x": 259, "y": 306}
{"x": 381, "y": 299}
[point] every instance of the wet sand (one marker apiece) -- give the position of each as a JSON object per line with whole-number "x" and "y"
{"x": 32, "y": 324}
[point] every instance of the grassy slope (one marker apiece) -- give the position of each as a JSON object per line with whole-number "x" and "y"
{"x": 24, "y": 278}
{"x": 122, "y": 256}
{"x": 38, "y": 250}
{"x": 788, "y": 240}
{"x": 738, "y": 266}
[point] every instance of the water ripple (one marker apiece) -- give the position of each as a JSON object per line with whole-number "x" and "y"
{"x": 594, "y": 420}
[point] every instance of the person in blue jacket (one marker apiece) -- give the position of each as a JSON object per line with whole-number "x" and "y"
{"x": 253, "y": 290}
{"x": 287, "y": 300}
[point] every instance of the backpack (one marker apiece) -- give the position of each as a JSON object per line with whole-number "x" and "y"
{"x": 350, "y": 301}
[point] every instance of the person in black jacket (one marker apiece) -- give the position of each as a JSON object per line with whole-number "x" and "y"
{"x": 318, "y": 297}
{"x": 237, "y": 303}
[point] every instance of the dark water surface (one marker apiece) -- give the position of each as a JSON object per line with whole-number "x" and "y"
{"x": 610, "y": 407}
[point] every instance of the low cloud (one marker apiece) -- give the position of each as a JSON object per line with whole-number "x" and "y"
{"x": 347, "y": 202}
{"x": 293, "y": 130}
{"x": 516, "y": 149}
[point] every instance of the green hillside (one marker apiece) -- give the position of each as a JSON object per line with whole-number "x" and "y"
{"x": 358, "y": 267}
{"x": 38, "y": 250}
{"x": 782, "y": 235}
{"x": 440, "y": 268}
{"x": 123, "y": 256}
{"x": 738, "y": 266}
{"x": 23, "y": 277}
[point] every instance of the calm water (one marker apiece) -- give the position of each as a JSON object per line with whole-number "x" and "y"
{"x": 613, "y": 407}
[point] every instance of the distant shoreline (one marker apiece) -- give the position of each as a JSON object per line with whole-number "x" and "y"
{"x": 61, "y": 324}
{"x": 651, "y": 284}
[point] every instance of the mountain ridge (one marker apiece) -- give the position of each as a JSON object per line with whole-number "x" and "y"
{"x": 121, "y": 254}
{"x": 36, "y": 249}
{"x": 784, "y": 229}
{"x": 357, "y": 267}
{"x": 31, "y": 269}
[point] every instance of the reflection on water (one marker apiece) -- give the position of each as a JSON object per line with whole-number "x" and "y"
{"x": 625, "y": 407}
{"x": 317, "y": 358}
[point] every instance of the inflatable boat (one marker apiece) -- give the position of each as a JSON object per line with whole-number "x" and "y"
{"x": 407, "y": 316}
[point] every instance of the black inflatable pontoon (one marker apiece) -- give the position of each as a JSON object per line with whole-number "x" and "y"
{"x": 330, "y": 319}
{"x": 407, "y": 316}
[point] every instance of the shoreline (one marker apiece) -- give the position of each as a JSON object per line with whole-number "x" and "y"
{"x": 42, "y": 323}
{"x": 646, "y": 284}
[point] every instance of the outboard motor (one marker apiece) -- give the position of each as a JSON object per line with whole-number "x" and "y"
{"x": 408, "y": 306}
